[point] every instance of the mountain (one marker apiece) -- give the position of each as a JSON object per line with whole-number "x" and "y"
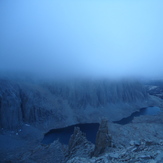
{"x": 54, "y": 104}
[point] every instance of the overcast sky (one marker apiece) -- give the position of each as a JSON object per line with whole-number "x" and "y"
{"x": 92, "y": 37}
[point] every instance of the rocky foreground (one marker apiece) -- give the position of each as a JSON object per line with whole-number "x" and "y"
{"x": 28, "y": 110}
{"x": 142, "y": 150}
{"x": 137, "y": 142}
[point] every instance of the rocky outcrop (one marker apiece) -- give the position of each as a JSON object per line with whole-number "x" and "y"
{"x": 139, "y": 153}
{"x": 79, "y": 145}
{"x": 103, "y": 139}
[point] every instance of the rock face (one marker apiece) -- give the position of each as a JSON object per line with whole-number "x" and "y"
{"x": 56, "y": 104}
{"x": 20, "y": 105}
{"x": 79, "y": 145}
{"x": 103, "y": 139}
{"x": 29, "y": 103}
{"x": 10, "y": 109}
{"x": 95, "y": 93}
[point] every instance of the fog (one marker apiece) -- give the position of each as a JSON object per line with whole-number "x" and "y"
{"x": 82, "y": 38}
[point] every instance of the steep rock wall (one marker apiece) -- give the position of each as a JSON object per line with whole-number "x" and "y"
{"x": 57, "y": 104}
{"x": 10, "y": 109}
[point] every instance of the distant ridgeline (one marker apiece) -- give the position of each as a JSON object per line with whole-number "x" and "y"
{"x": 97, "y": 93}
{"x": 55, "y": 104}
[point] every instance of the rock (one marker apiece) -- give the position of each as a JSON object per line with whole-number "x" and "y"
{"x": 79, "y": 145}
{"x": 114, "y": 155}
{"x": 86, "y": 160}
{"x": 132, "y": 143}
{"x": 21, "y": 104}
{"x": 152, "y": 161}
{"x": 78, "y": 160}
{"x": 159, "y": 157}
{"x": 161, "y": 142}
{"x": 150, "y": 142}
{"x": 145, "y": 157}
{"x": 45, "y": 104}
{"x": 135, "y": 143}
{"x": 10, "y": 109}
{"x": 134, "y": 149}
{"x": 101, "y": 160}
{"x": 103, "y": 139}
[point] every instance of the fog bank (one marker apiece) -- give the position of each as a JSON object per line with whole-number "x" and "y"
{"x": 82, "y": 38}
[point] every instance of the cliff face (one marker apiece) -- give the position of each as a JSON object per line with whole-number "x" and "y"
{"x": 10, "y": 108}
{"x": 98, "y": 93}
{"x": 57, "y": 104}
{"x": 27, "y": 103}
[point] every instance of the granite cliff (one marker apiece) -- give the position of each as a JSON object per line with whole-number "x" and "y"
{"x": 48, "y": 105}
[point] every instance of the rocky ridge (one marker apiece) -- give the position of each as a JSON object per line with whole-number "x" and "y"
{"x": 53, "y": 105}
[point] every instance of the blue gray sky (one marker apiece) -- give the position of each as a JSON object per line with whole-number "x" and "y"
{"x": 111, "y": 38}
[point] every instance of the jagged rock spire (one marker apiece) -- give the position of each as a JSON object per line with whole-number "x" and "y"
{"x": 79, "y": 145}
{"x": 103, "y": 139}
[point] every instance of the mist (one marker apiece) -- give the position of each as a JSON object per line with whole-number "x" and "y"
{"x": 82, "y": 38}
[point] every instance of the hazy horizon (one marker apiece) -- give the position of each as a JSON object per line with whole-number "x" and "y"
{"x": 82, "y": 38}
